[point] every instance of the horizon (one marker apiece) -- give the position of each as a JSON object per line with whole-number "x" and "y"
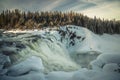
{"x": 107, "y": 9}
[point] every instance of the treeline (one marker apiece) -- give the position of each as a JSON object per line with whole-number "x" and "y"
{"x": 17, "y": 19}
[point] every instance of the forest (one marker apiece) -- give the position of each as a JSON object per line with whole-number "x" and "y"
{"x": 17, "y": 19}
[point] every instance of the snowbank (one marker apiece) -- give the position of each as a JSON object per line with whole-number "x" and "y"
{"x": 30, "y": 76}
{"x": 60, "y": 75}
{"x": 33, "y": 64}
{"x": 85, "y": 74}
{"x": 107, "y": 61}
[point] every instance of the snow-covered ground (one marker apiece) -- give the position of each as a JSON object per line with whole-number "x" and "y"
{"x": 68, "y": 53}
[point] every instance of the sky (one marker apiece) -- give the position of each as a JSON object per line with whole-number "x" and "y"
{"x": 108, "y": 9}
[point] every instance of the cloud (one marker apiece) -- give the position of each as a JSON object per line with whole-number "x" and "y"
{"x": 62, "y": 5}
{"x": 74, "y": 5}
{"x": 108, "y": 10}
{"x": 25, "y": 4}
{"x": 100, "y": 8}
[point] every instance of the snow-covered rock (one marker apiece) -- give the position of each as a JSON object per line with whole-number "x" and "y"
{"x": 33, "y": 64}
{"x": 107, "y": 59}
{"x": 112, "y": 67}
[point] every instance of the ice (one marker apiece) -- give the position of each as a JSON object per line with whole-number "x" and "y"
{"x": 4, "y": 59}
{"x": 30, "y": 76}
{"x": 85, "y": 74}
{"x": 4, "y": 62}
{"x": 53, "y": 57}
{"x": 112, "y": 67}
{"x": 31, "y": 64}
{"x": 82, "y": 74}
{"x": 106, "y": 76}
{"x": 59, "y": 75}
{"x": 53, "y": 54}
{"x": 107, "y": 58}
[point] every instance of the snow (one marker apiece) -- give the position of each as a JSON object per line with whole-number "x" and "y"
{"x": 31, "y": 64}
{"x": 30, "y": 76}
{"x": 108, "y": 60}
{"x": 111, "y": 67}
{"x": 51, "y": 58}
{"x": 83, "y": 74}
{"x": 59, "y": 75}
{"x": 109, "y": 43}
{"x": 101, "y": 43}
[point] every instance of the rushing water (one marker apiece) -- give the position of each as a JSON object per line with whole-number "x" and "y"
{"x": 55, "y": 56}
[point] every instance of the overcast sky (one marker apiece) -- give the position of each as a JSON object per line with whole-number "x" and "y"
{"x": 109, "y": 9}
